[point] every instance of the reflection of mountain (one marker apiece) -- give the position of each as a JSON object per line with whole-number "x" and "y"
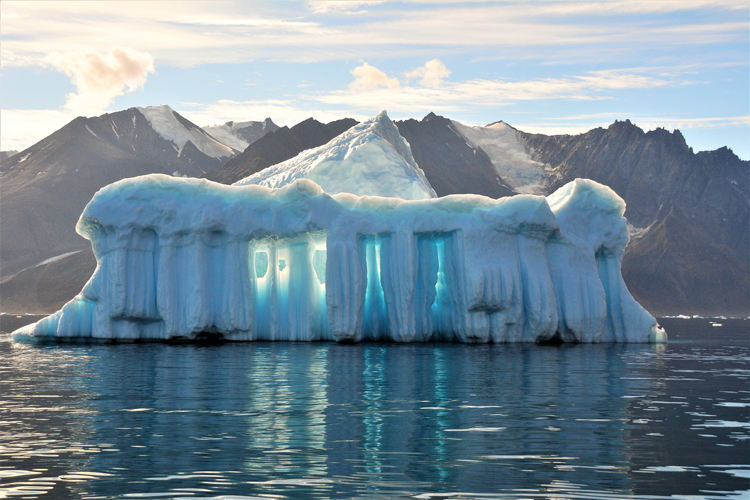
{"x": 397, "y": 416}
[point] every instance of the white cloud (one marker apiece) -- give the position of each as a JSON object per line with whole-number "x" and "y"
{"x": 339, "y": 6}
{"x": 99, "y": 78}
{"x": 369, "y": 78}
{"x": 431, "y": 74}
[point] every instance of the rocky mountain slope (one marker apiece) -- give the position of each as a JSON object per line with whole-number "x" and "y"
{"x": 690, "y": 212}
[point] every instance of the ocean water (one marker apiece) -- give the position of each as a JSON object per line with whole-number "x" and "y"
{"x": 321, "y": 420}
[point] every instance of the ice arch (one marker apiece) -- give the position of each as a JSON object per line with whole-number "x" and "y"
{"x": 180, "y": 258}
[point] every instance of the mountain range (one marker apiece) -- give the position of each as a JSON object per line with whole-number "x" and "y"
{"x": 689, "y": 212}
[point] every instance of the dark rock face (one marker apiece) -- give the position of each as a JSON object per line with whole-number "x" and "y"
{"x": 449, "y": 163}
{"x": 44, "y": 189}
{"x": 7, "y": 154}
{"x": 279, "y": 146}
{"x": 694, "y": 257}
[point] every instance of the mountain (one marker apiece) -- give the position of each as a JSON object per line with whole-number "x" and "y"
{"x": 690, "y": 212}
{"x": 369, "y": 159}
{"x": 44, "y": 188}
{"x": 279, "y": 146}
{"x": 7, "y": 154}
{"x": 239, "y": 135}
{"x": 451, "y": 164}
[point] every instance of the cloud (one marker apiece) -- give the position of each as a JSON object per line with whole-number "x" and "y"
{"x": 99, "y": 78}
{"x": 237, "y": 32}
{"x": 339, "y": 7}
{"x": 369, "y": 78}
{"x": 431, "y": 74}
{"x": 372, "y": 90}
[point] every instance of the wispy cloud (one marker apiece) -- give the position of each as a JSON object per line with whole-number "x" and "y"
{"x": 594, "y": 85}
{"x": 99, "y": 78}
{"x": 235, "y": 32}
{"x": 340, "y": 7}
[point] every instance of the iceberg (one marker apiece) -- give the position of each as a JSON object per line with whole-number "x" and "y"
{"x": 189, "y": 258}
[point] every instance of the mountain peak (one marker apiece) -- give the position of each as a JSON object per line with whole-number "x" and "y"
{"x": 500, "y": 125}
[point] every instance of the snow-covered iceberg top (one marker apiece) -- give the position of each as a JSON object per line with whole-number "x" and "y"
{"x": 369, "y": 159}
{"x": 181, "y": 258}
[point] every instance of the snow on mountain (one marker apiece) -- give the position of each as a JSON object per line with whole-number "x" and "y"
{"x": 369, "y": 159}
{"x": 239, "y": 135}
{"x": 176, "y": 129}
{"x": 501, "y": 143}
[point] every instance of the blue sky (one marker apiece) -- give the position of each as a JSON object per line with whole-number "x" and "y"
{"x": 546, "y": 66}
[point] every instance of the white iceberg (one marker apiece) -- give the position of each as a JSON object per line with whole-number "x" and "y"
{"x": 181, "y": 258}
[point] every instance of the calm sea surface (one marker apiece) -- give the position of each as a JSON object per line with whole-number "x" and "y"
{"x": 321, "y": 420}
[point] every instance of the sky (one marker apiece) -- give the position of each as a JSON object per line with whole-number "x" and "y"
{"x": 552, "y": 67}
